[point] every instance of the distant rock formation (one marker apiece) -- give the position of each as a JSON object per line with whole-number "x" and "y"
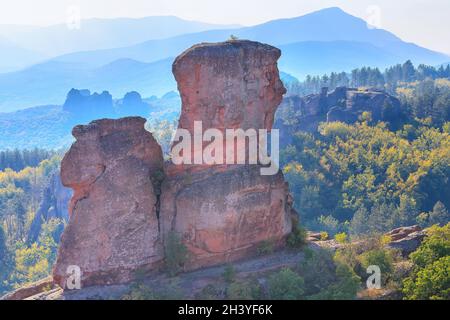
{"x": 133, "y": 105}
{"x": 84, "y": 106}
{"x": 54, "y": 204}
{"x": 343, "y": 104}
{"x": 114, "y": 169}
{"x": 120, "y": 212}
{"x": 223, "y": 212}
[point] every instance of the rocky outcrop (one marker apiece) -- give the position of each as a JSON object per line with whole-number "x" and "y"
{"x": 224, "y": 216}
{"x": 228, "y": 85}
{"x": 224, "y": 211}
{"x": 342, "y": 104}
{"x": 406, "y": 239}
{"x": 133, "y": 105}
{"x": 54, "y": 204}
{"x": 83, "y": 106}
{"x": 120, "y": 213}
{"x": 30, "y": 289}
{"x": 114, "y": 168}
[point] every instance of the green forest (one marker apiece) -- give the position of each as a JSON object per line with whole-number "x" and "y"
{"x": 20, "y": 195}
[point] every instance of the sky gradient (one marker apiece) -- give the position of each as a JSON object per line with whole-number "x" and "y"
{"x": 424, "y": 22}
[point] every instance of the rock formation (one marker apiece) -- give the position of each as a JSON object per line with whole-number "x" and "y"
{"x": 114, "y": 169}
{"x": 118, "y": 222}
{"x": 223, "y": 213}
{"x": 342, "y": 104}
{"x": 82, "y": 106}
{"x": 406, "y": 239}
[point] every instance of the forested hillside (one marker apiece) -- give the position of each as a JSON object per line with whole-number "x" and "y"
{"x": 21, "y": 193}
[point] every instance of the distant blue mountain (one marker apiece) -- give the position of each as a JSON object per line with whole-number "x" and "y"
{"x": 323, "y": 41}
{"x": 48, "y": 83}
{"x": 13, "y": 56}
{"x": 93, "y": 34}
{"x": 326, "y": 25}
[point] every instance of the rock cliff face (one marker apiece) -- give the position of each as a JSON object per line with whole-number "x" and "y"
{"x": 342, "y": 104}
{"x": 114, "y": 169}
{"x": 224, "y": 212}
{"x": 118, "y": 222}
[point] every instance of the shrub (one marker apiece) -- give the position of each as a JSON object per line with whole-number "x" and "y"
{"x": 286, "y": 285}
{"x": 246, "y": 290}
{"x": 431, "y": 282}
{"x": 265, "y": 247}
{"x": 139, "y": 292}
{"x": 430, "y": 278}
{"x": 318, "y": 270}
{"x": 344, "y": 288}
{"x": 176, "y": 253}
{"x": 379, "y": 257}
{"x": 297, "y": 238}
{"x": 229, "y": 273}
{"x": 341, "y": 237}
{"x": 210, "y": 292}
{"x": 324, "y": 235}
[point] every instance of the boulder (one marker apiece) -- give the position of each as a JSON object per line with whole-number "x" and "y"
{"x": 115, "y": 169}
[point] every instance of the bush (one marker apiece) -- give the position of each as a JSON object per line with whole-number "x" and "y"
{"x": 140, "y": 291}
{"x": 265, "y": 247}
{"x": 431, "y": 282}
{"x": 246, "y": 290}
{"x": 229, "y": 273}
{"x": 381, "y": 258}
{"x": 176, "y": 253}
{"x": 430, "y": 278}
{"x": 341, "y": 237}
{"x": 297, "y": 238}
{"x": 286, "y": 285}
{"x": 210, "y": 292}
{"x": 318, "y": 270}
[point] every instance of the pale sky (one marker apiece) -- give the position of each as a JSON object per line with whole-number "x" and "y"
{"x": 424, "y": 22}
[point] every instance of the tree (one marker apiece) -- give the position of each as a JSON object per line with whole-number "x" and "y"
{"x": 286, "y": 285}
{"x": 431, "y": 282}
{"x": 3, "y": 248}
{"x": 358, "y": 224}
{"x": 430, "y": 278}
{"x": 439, "y": 215}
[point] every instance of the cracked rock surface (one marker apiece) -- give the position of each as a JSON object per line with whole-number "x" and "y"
{"x": 113, "y": 169}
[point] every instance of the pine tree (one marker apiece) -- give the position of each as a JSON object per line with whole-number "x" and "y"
{"x": 439, "y": 215}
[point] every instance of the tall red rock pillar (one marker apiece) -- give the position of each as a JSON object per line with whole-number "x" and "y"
{"x": 224, "y": 212}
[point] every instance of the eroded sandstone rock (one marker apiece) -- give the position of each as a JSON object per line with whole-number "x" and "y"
{"x": 120, "y": 213}
{"x": 224, "y": 212}
{"x": 228, "y": 85}
{"x": 342, "y": 104}
{"x": 114, "y": 168}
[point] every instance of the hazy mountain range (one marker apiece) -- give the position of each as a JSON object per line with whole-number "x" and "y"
{"x": 140, "y": 53}
{"x": 94, "y": 34}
